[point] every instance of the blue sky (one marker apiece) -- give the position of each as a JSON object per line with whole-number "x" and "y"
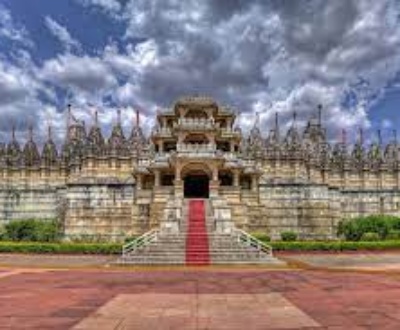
{"x": 256, "y": 56}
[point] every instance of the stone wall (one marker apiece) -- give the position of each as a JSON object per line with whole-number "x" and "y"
{"x": 310, "y": 210}
{"x": 99, "y": 210}
{"x": 34, "y": 202}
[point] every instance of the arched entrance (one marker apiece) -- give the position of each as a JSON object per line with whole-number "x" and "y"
{"x": 196, "y": 181}
{"x": 196, "y": 186}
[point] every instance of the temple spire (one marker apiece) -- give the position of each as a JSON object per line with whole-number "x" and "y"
{"x": 394, "y": 132}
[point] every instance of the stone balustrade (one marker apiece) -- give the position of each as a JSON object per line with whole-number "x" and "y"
{"x": 196, "y": 123}
{"x": 162, "y": 131}
{"x": 197, "y": 150}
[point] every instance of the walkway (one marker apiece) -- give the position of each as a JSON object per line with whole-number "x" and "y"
{"x": 205, "y": 298}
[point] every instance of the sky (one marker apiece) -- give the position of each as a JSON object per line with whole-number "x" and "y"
{"x": 255, "y": 56}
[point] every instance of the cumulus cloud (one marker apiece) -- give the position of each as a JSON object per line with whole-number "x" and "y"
{"x": 62, "y": 34}
{"x": 270, "y": 55}
{"x": 265, "y": 56}
{"x": 87, "y": 74}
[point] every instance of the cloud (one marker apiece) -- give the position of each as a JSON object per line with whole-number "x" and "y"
{"x": 269, "y": 55}
{"x": 62, "y": 34}
{"x": 12, "y": 31}
{"x": 79, "y": 74}
{"x": 111, "y": 7}
{"x": 266, "y": 56}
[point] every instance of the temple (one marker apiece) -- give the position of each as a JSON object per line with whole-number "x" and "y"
{"x": 127, "y": 185}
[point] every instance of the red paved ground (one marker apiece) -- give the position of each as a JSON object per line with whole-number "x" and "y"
{"x": 197, "y": 252}
{"x": 61, "y": 299}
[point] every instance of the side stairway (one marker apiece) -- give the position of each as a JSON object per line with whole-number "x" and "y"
{"x": 197, "y": 242}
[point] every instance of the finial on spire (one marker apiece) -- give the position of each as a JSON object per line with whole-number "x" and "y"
{"x": 379, "y": 137}
{"x": 13, "y": 132}
{"x": 344, "y": 136}
{"x": 395, "y": 135}
{"x": 119, "y": 116}
{"x": 276, "y": 121}
{"x": 69, "y": 115}
{"x": 294, "y": 117}
{"x": 96, "y": 118}
{"x": 137, "y": 118}
{"x": 30, "y": 132}
{"x": 257, "y": 121}
{"x": 319, "y": 114}
{"x": 361, "y": 136}
{"x": 49, "y": 135}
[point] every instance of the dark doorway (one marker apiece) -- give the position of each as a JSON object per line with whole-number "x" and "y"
{"x": 196, "y": 186}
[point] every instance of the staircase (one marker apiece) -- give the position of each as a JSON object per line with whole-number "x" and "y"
{"x": 199, "y": 241}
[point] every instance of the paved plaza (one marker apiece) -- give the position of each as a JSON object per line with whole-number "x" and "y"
{"x": 198, "y": 298}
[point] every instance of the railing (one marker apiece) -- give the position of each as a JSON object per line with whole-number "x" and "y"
{"x": 140, "y": 242}
{"x": 144, "y": 162}
{"x": 230, "y": 131}
{"x": 196, "y": 123}
{"x": 163, "y": 131}
{"x": 197, "y": 150}
{"x": 250, "y": 241}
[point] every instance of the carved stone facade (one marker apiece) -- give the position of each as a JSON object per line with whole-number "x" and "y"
{"x": 123, "y": 186}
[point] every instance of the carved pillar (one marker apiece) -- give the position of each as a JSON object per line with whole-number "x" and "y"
{"x": 254, "y": 182}
{"x": 178, "y": 184}
{"x": 214, "y": 182}
{"x": 157, "y": 180}
{"x": 160, "y": 146}
{"x": 139, "y": 181}
{"x": 236, "y": 178}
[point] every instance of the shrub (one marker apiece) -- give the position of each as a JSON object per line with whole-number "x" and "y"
{"x": 370, "y": 237}
{"x": 353, "y": 229}
{"x": 394, "y": 234}
{"x": 32, "y": 230}
{"x": 288, "y": 236}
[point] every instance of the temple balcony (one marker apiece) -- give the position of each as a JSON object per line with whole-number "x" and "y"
{"x": 162, "y": 132}
{"x": 229, "y": 132}
{"x": 197, "y": 124}
{"x": 195, "y": 150}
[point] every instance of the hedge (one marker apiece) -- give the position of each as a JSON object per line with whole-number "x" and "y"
{"x": 60, "y": 248}
{"x": 334, "y": 245}
{"x": 115, "y": 248}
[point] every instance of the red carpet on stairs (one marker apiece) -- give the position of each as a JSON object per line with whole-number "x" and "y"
{"x": 197, "y": 252}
